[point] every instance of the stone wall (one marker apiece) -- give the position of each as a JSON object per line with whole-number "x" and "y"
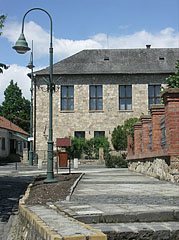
{"x": 65, "y": 123}
{"x": 157, "y": 168}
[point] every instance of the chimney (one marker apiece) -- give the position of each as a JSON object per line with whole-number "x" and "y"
{"x": 148, "y": 46}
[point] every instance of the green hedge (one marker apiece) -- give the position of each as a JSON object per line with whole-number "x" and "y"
{"x": 116, "y": 161}
{"x": 89, "y": 147}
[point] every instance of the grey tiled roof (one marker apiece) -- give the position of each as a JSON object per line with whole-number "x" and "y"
{"x": 117, "y": 61}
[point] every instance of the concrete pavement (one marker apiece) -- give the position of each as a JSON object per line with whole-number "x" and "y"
{"x": 119, "y": 203}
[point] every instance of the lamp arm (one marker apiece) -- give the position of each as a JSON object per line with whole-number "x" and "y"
{"x": 46, "y": 13}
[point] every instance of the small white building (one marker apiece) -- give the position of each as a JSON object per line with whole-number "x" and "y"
{"x": 13, "y": 139}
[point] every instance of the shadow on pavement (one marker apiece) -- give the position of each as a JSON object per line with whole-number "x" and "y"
{"x": 11, "y": 190}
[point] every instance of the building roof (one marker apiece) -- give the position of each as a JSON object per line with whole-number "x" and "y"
{"x": 117, "y": 61}
{"x": 4, "y": 123}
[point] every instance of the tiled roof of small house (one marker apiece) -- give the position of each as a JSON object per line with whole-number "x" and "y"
{"x": 117, "y": 61}
{"x": 4, "y": 123}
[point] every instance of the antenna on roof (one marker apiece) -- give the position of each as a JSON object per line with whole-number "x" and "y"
{"x": 107, "y": 41}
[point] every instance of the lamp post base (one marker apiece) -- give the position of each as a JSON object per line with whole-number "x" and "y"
{"x": 50, "y": 178}
{"x": 31, "y": 158}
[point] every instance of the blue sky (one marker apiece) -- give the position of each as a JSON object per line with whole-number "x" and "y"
{"x": 82, "y": 24}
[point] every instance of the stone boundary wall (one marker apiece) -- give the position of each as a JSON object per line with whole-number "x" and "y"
{"x": 157, "y": 168}
{"x": 155, "y": 147}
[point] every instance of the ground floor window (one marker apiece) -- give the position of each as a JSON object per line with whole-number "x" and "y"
{"x": 80, "y": 134}
{"x": 3, "y": 144}
{"x": 99, "y": 133}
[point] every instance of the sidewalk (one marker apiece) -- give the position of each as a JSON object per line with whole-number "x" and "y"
{"x": 116, "y": 202}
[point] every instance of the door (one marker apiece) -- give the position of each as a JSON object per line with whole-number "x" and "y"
{"x": 63, "y": 159}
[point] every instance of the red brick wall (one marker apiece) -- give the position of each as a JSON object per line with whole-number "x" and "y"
{"x": 146, "y": 122}
{"x": 156, "y": 112}
{"x": 137, "y": 137}
{"x": 171, "y": 111}
{"x": 171, "y": 101}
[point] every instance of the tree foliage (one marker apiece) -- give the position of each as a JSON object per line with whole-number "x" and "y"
{"x": 15, "y": 107}
{"x": 119, "y": 134}
{"x": 89, "y": 147}
{"x": 173, "y": 80}
{"x": 2, "y": 20}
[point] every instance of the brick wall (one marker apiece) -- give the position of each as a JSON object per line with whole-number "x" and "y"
{"x": 170, "y": 110}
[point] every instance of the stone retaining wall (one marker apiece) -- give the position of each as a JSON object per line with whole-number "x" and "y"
{"x": 157, "y": 168}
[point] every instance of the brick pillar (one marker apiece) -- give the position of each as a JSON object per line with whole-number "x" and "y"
{"x": 171, "y": 101}
{"x": 146, "y": 122}
{"x": 157, "y": 110}
{"x": 129, "y": 145}
{"x": 137, "y": 138}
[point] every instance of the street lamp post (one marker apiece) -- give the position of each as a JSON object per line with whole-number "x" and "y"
{"x": 21, "y": 47}
{"x": 31, "y": 66}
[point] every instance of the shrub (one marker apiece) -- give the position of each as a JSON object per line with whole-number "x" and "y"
{"x": 119, "y": 139}
{"x": 92, "y": 147}
{"x": 77, "y": 147}
{"x": 89, "y": 149}
{"x": 116, "y": 161}
{"x": 100, "y": 142}
{"x": 173, "y": 80}
{"x": 119, "y": 135}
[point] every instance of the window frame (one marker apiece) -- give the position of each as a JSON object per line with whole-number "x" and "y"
{"x": 67, "y": 98}
{"x": 155, "y": 97}
{"x": 95, "y": 132}
{"x": 125, "y": 97}
{"x": 79, "y": 132}
{"x": 96, "y": 97}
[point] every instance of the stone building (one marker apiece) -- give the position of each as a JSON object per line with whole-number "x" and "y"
{"x": 96, "y": 90}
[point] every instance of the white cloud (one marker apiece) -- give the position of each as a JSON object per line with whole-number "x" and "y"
{"x": 17, "y": 74}
{"x": 65, "y": 47}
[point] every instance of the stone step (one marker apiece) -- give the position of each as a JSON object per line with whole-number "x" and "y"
{"x": 140, "y": 231}
{"x": 109, "y": 213}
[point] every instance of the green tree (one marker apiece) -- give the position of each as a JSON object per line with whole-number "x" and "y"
{"x": 119, "y": 134}
{"x": 2, "y": 20}
{"x": 119, "y": 139}
{"x": 15, "y": 107}
{"x": 173, "y": 80}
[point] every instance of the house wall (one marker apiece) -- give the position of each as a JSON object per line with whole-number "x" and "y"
{"x": 81, "y": 119}
{"x": 4, "y": 134}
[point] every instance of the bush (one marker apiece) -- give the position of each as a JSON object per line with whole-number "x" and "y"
{"x": 92, "y": 147}
{"x": 119, "y": 138}
{"x": 119, "y": 135}
{"x": 173, "y": 80}
{"x": 100, "y": 142}
{"x": 116, "y": 161}
{"x": 77, "y": 148}
{"x": 89, "y": 147}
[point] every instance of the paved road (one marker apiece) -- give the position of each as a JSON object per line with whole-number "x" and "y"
{"x": 11, "y": 189}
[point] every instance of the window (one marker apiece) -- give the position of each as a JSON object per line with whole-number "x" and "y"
{"x": 154, "y": 94}
{"x": 125, "y": 97}
{"x": 67, "y": 98}
{"x": 79, "y": 134}
{"x": 99, "y": 133}
{"x": 96, "y": 98}
{"x": 3, "y": 146}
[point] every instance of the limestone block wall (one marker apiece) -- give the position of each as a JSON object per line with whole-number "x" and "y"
{"x": 157, "y": 168}
{"x": 65, "y": 123}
